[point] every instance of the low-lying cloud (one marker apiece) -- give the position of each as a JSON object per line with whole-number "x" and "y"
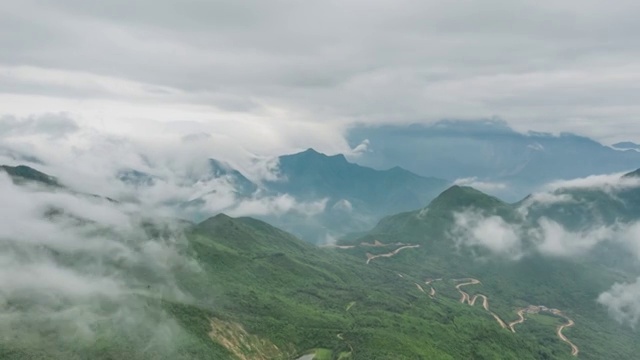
{"x": 622, "y": 302}
{"x": 79, "y": 264}
{"x": 533, "y": 231}
{"x": 545, "y": 236}
{"x": 486, "y": 186}
{"x": 171, "y": 176}
{"x": 608, "y": 183}
{"x": 490, "y": 232}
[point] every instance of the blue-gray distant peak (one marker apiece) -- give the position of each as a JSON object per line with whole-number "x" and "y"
{"x": 312, "y": 155}
{"x": 626, "y": 145}
{"x": 633, "y": 174}
{"x": 489, "y": 151}
{"x": 243, "y": 185}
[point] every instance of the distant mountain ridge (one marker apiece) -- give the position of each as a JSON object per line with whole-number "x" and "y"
{"x": 252, "y": 288}
{"x": 354, "y": 197}
{"x": 312, "y": 174}
{"x": 489, "y": 151}
{"x": 22, "y": 174}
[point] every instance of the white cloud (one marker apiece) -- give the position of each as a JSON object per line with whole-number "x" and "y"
{"x": 608, "y": 183}
{"x": 546, "y": 236}
{"x": 553, "y": 239}
{"x": 76, "y": 263}
{"x": 622, "y": 302}
{"x": 343, "y": 205}
{"x": 363, "y": 147}
{"x": 547, "y": 198}
{"x": 276, "y": 205}
{"x": 484, "y": 186}
{"x": 472, "y": 228}
{"x": 401, "y": 62}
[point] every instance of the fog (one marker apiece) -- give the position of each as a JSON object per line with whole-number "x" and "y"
{"x": 529, "y": 234}
{"x": 73, "y": 266}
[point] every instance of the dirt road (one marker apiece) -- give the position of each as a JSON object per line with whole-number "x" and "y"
{"x": 432, "y": 290}
{"x": 472, "y": 300}
{"x": 371, "y": 257}
{"x": 570, "y": 323}
{"x": 512, "y": 325}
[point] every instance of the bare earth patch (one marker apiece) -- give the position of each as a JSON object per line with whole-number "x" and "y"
{"x": 243, "y": 345}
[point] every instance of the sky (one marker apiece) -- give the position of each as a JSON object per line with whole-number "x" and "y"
{"x": 246, "y": 80}
{"x": 280, "y": 76}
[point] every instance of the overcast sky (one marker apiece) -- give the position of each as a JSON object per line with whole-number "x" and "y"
{"x": 282, "y": 75}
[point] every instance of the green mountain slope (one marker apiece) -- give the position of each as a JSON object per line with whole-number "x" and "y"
{"x": 302, "y": 297}
{"x": 24, "y": 174}
{"x": 571, "y": 284}
{"x": 239, "y": 288}
{"x": 357, "y": 196}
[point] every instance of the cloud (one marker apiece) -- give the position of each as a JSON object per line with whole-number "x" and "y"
{"x": 50, "y": 125}
{"x": 343, "y": 205}
{"x": 276, "y": 206}
{"x": 547, "y": 198}
{"x": 485, "y": 186}
{"x": 76, "y": 264}
{"x": 363, "y": 147}
{"x": 530, "y": 233}
{"x": 402, "y": 62}
{"x": 538, "y": 236}
{"x": 622, "y": 302}
{"x": 608, "y": 183}
{"x": 472, "y": 228}
{"x": 553, "y": 239}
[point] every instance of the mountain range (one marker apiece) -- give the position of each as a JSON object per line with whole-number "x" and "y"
{"x": 489, "y": 154}
{"x": 353, "y": 197}
{"x": 239, "y": 288}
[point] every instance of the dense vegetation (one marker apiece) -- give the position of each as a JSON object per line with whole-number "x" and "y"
{"x": 250, "y": 290}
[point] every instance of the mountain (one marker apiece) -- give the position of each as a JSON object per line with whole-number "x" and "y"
{"x": 242, "y": 185}
{"x": 562, "y": 250}
{"x": 489, "y": 152}
{"x": 310, "y": 175}
{"x": 347, "y": 197}
{"x": 26, "y": 174}
{"x": 260, "y": 293}
{"x": 239, "y": 288}
{"x": 584, "y": 207}
{"x": 356, "y": 196}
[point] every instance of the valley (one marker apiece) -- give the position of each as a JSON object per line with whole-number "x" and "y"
{"x": 240, "y": 288}
{"x": 319, "y": 180}
{"x": 471, "y": 300}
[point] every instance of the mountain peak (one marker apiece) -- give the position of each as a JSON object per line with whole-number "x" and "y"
{"x": 462, "y": 197}
{"x": 633, "y": 174}
{"x": 317, "y": 154}
{"x": 22, "y": 173}
{"x": 310, "y": 156}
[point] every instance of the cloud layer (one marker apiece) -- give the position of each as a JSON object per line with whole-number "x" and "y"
{"x": 622, "y": 302}
{"x": 528, "y": 233}
{"x": 74, "y": 265}
{"x": 281, "y": 68}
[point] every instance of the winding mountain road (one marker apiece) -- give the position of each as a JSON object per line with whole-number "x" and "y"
{"x": 465, "y": 298}
{"x": 472, "y": 300}
{"x": 532, "y": 309}
{"x": 371, "y": 257}
{"x": 432, "y": 290}
{"x": 574, "y": 348}
{"x": 519, "y": 321}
